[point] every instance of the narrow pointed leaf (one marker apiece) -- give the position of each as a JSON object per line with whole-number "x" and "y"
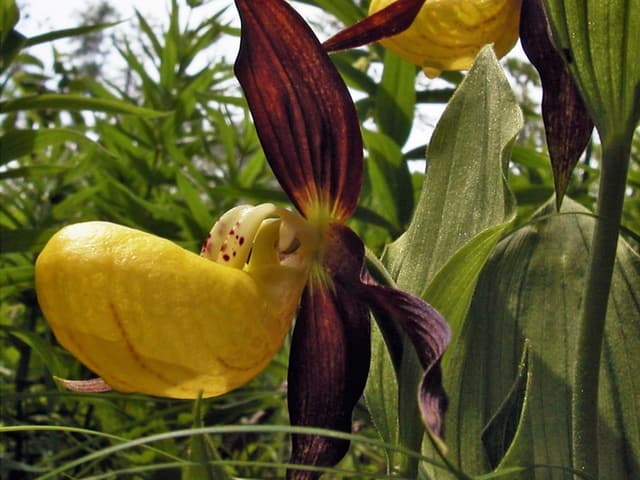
{"x": 68, "y": 32}
{"x": 56, "y": 101}
{"x": 387, "y": 22}
{"x": 568, "y": 125}
{"x": 396, "y": 98}
{"x": 202, "y": 452}
{"x": 390, "y": 180}
{"x": 19, "y": 142}
{"x": 302, "y": 109}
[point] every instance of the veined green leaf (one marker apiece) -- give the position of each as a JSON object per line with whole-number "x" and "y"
{"x": 507, "y": 437}
{"x": 452, "y": 288}
{"x": 465, "y": 189}
{"x": 464, "y": 194}
{"x": 532, "y": 288}
{"x": 381, "y": 391}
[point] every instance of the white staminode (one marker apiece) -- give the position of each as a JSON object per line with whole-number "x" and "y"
{"x": 232, "y": 237}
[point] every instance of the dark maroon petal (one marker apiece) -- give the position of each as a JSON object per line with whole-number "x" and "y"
{"x": 427, "y": 329}
{"x": 430, "y": 335}
{"x": 330, "y": 353}
{"x": 389, "y": 21}
{"x": 302, "y": 109}
{"x": 568, "y": 125}
{"x": 328, "y": 368}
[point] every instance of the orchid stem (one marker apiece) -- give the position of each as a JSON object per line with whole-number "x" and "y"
{"x": 584, "y": 402}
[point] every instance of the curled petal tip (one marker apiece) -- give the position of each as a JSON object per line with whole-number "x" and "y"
{"x": 430, "y": 334}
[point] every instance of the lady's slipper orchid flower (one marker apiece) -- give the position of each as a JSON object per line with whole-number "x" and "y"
{"x": 150, "y": 317}
{"x": 436, "y": 35}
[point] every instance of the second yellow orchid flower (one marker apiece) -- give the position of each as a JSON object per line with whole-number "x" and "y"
{"x": 436, "y": 35}
{"x": 447, "y": 34}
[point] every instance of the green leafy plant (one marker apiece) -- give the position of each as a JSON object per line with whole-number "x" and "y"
{"x": 524, "y": 242}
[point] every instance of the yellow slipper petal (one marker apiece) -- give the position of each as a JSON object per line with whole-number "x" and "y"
{"x": 151, "y": 317}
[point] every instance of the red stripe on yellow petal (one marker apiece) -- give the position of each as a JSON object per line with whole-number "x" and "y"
{"x": 389, "y": 21}
{"x": 303, "y": 112}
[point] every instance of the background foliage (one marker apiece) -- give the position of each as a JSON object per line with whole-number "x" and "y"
{"x": 166, "y": 146}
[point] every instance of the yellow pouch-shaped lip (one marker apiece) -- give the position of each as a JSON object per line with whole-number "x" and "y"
{"x": 149, "y": 316}
{"x": 448, "y": 34}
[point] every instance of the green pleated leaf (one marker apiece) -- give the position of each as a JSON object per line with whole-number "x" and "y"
{"x": 506, "y": 438}
{"x": 532, "y": 288}
{"x": 75, "y": 102}
{"x": 465, "y": 189}
{"x": 396, "y": 98}
{"x": 599, "y": 40}
{"x": 451, "y": 290}
{"x": 465, "y": 200}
